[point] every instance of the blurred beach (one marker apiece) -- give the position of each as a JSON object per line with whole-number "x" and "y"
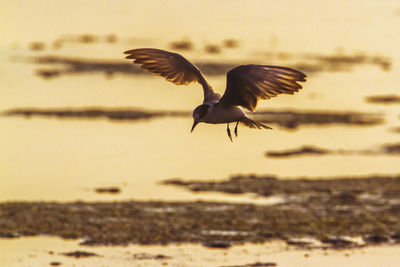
{"x": 81, "y": 127}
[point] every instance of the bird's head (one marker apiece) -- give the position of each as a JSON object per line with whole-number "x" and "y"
{"x": 199, "y": 113}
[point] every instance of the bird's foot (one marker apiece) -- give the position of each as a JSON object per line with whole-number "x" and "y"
{"x": 229, "y": 132}
{"x": 236, "y": 127}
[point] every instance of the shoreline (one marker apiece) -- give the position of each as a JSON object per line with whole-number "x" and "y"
{"x": 51, "y": 251}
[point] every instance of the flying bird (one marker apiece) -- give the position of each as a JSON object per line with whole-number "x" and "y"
{"x": 245, "y": 85}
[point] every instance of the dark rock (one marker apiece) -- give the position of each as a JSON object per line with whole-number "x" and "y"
{"x": 391, "y": 148}
{"x": 262, "y": 264}
{"x": 339, "y": 242}
{"x": 231, "y": 43}
{"x": 396, "y": 237}
{"x": 9, "y": 235}
{"x": 109, "y": 190}
{"x": 217, "y": 244}
{"x": 305, "y": 150}
{"x": 182, "y": 45}
{"x": 256, "y": 264}
{"x": 384, "y": 99}
{"x": 213, "y": 49}
{"x": 80, "y": 254}
{"x": 377, "y": 238}
{"x": 36, "y": 46}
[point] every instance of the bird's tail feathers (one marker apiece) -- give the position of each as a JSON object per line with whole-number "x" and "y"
{"x": 253, "y": 124}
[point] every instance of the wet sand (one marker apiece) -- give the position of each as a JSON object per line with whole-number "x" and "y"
{"x": 48, "y": 251}
{"x": 329, "y": 211}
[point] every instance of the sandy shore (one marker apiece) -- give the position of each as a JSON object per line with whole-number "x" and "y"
{"x": 47, "y": 251}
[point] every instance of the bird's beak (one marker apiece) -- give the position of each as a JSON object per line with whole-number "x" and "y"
{"x": 194, "y": 125}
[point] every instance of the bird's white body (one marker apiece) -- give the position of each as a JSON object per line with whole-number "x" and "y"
{"x": 218, "y": 114}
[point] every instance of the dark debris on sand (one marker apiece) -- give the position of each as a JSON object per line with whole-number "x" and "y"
{"x": 145, "y": 256}
{"x": 182, "y": 45}
{"x": 324, "y": 209}
{"x": 108, "y": 190}
{"x": 385, "y": 149}
{"x": 217, "y": 244}
{"x": 80, "y": 254}
{"x": 68, "y": 66}
{"x": 304, "y": 150}
{"x": 395, "y": 129}
{"x": 308, "y": 63}
{"x": 384, "y": 99}
{"x": 333, "y": 190}
{"x": 293, "y": 119}
{"x": 285, "y": 119}
{"x": 256, "y": 264}
{"x": 92, "y": 113}
{"x": 346, "y": 62}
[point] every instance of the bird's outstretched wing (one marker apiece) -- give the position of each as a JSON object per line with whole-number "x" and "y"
{"x": 246, "y": 84}
{"x": 174, "y": 67}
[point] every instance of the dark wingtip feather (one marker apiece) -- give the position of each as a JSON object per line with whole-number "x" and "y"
{"x": 129, "y": 51}
{"x": 130, "y": 57}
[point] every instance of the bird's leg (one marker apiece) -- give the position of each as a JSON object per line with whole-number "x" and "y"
{"x": 229, "y": 132}
{"x": 236, "y": 134}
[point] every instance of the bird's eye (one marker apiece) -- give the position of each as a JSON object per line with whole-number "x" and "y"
{"x": 200, "y": 111}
